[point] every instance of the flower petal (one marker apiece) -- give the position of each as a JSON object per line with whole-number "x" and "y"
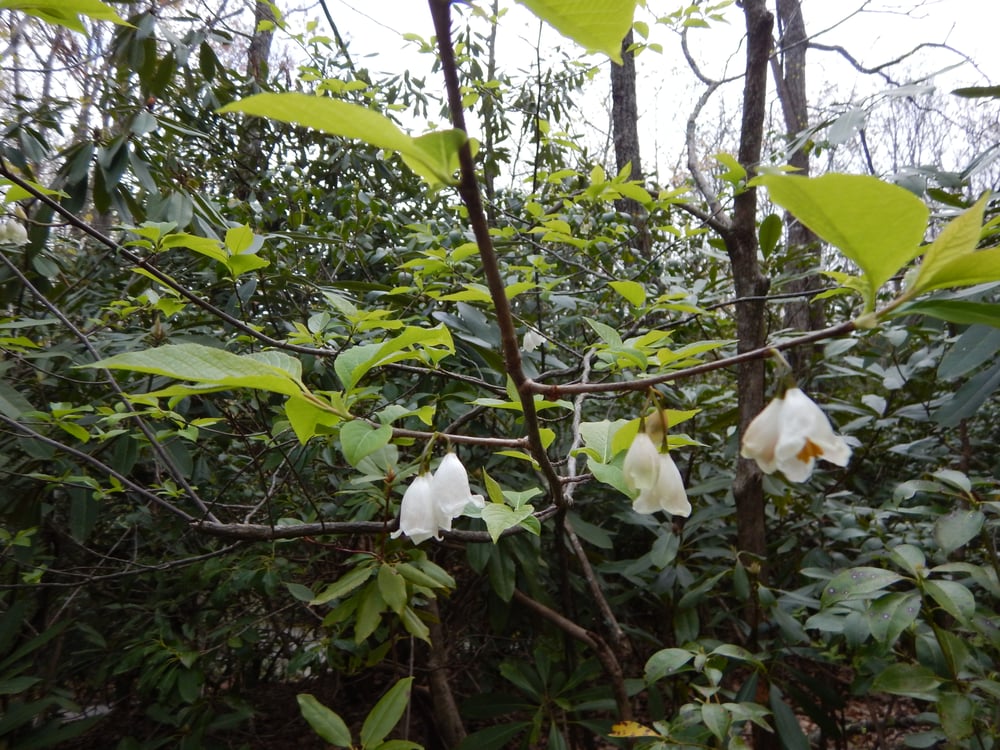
{"x": 806, "y": 434}
{"x": 670, "y": 487}
{"x": 668, "y": 494}
{"x": 532, "y": 340}
{"x": 417, "y": 515}
{"x": 451, "y": 487}
{"x": 642, "y": 463}
{"x": 762, "y": 436}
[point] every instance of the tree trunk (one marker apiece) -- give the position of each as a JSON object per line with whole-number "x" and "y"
{"x": 750, "y": 283}
{"x": 250, "y": 160}
{"x": 751, "y": 286}
{"x": 790, "y": 78}
{"x": 625, "y": 129}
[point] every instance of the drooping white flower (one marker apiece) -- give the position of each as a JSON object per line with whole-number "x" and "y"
{"x": 668, "y": 494}
{"x": 13, "y": 233}
{"x": 532, "y": 340}
{"x": 451, "y": 492}
{"x": 642, "y": 463}
{"x": 418, "y": 516}
{"x": 656, "y": 477}
{"x": 790, "y": 434}
{"x": 432, "y": 502}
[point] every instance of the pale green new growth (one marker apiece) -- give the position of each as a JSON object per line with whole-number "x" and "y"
{"x": 66, "y": 12}
{"x": 597, "y": 25}
{"x": 877, "y": 225}
{"x": 952, "y": 260}
{"x": 433, "y": 156}
{"x": 269, "y": 371}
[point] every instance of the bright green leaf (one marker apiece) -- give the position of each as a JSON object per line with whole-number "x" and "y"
{"x": 736, "y": 173}
{"x": 344, "y": 585}
{"x": 952, "y": 260}
{"x": 306, "y": 414}
{"x": 420, "y": 577}
{"x": 414, "y": 625}
{"x": 66, "y": 12}
{"x": 877, "y": 225}
{"x": 499, "y": 518}
{"x": 954, "y": 311}
{"x": 351, "y": 365}
{"x": 433, "y": 156}
{"x": 633, "y": 291}
{"x": 599, "y": 25}
{"x": 769, "y": 233}
{"x": 370, "y": 609}
{"x": 359, "y": 439}
{"x": 609, "y": 335}
{"x": 205, "y": 364}
{"x": 392, "y": 587}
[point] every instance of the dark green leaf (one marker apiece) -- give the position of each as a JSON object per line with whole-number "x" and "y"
{"x": 786, "y": 723}
{"x": 912, "y": 680}
{"x": 328, "y": 725}
{"x": 954, "y": 311}
{"x": 386, "y": 714}
{"x": 957, "y": 528}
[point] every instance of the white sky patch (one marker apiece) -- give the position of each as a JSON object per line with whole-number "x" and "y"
{"x": 872, "y": 32}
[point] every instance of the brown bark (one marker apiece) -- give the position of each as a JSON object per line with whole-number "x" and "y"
{"x": 750, "y": 283}
{"x": 751, "y": 286}
{"x": 446, "y": 715}
{"x": 625, "y": 130}
{"x": 250, "y": 153}
{"x": 789, "y": 71}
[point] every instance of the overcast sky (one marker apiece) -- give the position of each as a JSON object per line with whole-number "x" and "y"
{"x": 882, "y": 31}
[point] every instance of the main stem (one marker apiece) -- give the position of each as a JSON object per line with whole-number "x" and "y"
{"x": 468, "y": 189}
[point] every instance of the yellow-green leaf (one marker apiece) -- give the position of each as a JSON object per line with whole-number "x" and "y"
{"x": 952, "y": 260}
{"x": 877, "y": 225}
{"x": 633, "y": 291}
{"x": 205, "y": 364}
{"x": 66, "y": 12}
{"x": 597, "y": 25}
{"x": 434, "y": 156}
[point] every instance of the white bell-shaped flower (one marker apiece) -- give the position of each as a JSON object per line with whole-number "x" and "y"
{"x": 790, "y": 434}
{"x": 668, "y": 494}
{"x": 642, "y": 463}
{"x": 418, "y": 515}
{"x": 451, "y": 492}
{"x": 532, "y": 340}
{"x": 656, "y": 477}
{"x": 13, "y": 233}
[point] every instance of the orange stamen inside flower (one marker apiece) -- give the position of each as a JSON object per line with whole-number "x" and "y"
{"x": 809, "y": 451}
